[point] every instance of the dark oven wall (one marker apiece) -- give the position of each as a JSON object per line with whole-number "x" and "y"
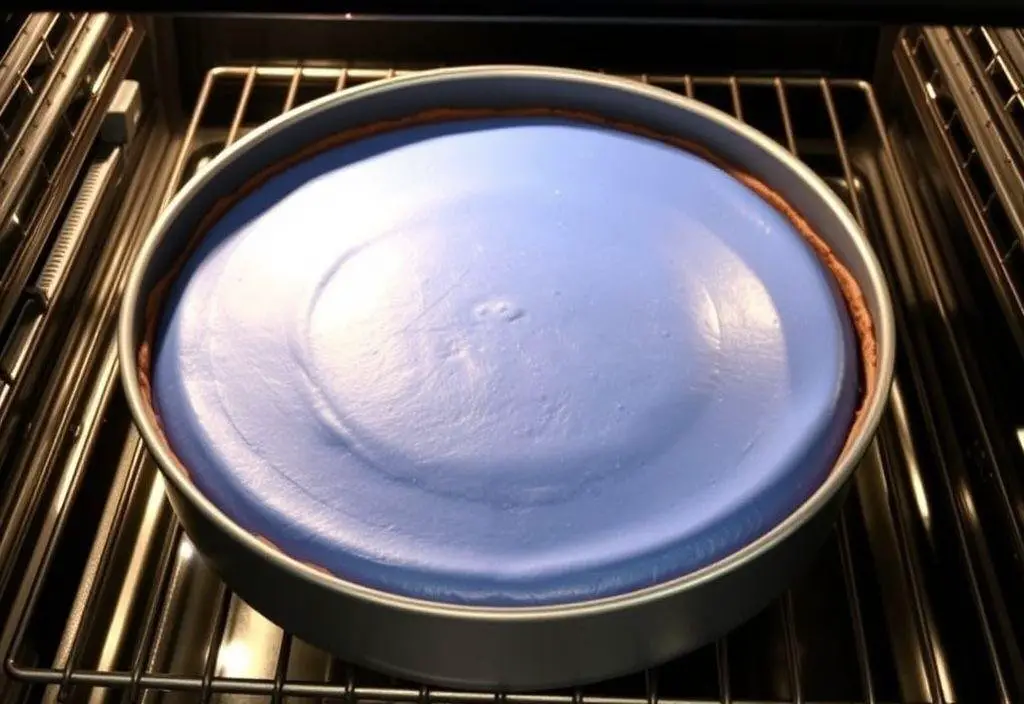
{"x": 613, "y": 45}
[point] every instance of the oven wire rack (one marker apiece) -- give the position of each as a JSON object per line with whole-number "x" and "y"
{"x": 56, "y": 78}
{"x": 971, "y": 84}
{"x": 141, "y": 577}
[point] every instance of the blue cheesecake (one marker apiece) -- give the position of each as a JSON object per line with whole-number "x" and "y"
{"x": 506, "y": 359}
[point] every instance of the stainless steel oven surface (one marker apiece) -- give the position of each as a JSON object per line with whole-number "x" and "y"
{"x": 915, "y": 597}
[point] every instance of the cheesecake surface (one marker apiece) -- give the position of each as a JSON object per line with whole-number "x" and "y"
{"x": 505, "y": 361}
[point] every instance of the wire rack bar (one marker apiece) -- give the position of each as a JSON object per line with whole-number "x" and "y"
{"x": 38, "y": 38}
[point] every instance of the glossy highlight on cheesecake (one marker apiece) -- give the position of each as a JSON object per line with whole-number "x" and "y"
{"x": 505, "y": 361}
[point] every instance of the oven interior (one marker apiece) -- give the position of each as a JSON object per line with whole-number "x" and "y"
{"x": 915, "y": 598}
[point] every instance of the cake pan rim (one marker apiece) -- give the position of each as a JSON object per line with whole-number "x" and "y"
{"x": 129, "y": 338}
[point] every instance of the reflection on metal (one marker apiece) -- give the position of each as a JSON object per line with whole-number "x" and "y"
{"x": 944, "y": 677}
{"x": 185, "y": 550}
{"x": 907, "y": 627}
{"x": 913, "y": 469}
{"x": 128, "y": 596}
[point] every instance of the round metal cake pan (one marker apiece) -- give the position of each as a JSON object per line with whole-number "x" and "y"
{"x": 525, "y": 648}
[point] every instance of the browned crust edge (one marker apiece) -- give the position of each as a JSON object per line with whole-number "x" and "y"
{"x": 856, "y": 305}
